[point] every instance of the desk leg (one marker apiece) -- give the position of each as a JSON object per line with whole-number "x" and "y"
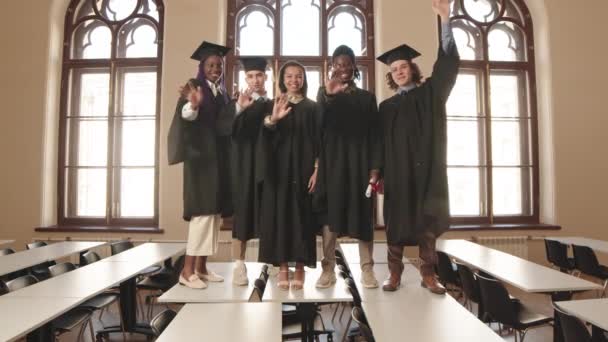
{"x": 557, "y": 328}
{"x": 597, "y": 334}
{"x": 307, "y": 313}
{"x": 43, "y": 334}
{"x": 128, "y": 309}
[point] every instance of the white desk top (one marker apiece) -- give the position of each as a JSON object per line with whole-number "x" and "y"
{"x": 351, "y": 253}
{"x": 21, "y": 315}
{"x": 6, "y": 242}
{"x": 309, "y": 294}
{"x": 422, "y": 316}
{"x": 20, "y": 260}
{"x": 594, "y": 311}
{"x": 410, "y": 278}
{"x": 596, "y": 245}
{"x": 57, "y": 295}
{"x": 518, "y": 272}
{"x": 224, "y": 292}
{"x": 225, "y": 322}
{"x": 158, "y": 251}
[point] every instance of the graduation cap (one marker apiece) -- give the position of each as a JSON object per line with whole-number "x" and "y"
{"x": 403, "y": 51}
{"x": 207, "y": 49}
{"x": 254, "y": 63}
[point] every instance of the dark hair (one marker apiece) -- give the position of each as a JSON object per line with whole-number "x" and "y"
{"x": 344, "y": 50}
{"x": 282, "y": 86}
{"x": 416, "y": 76}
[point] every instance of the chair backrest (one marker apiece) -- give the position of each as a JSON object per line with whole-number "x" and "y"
{"x": 344, "y": 269}
{"x": 338, "y": 253}
{"x": 62, "y": 268}
{"x": 161, "y": 321}
{"x": 35, "y": 244}
{"x": 586, "y": 260}
{"x": 20, "y": 283}
{"x": 557, "y": 254}
{"x": 90, "y": 257}
{"x": 6, "y": 251}
{"x": 445, "y": 271}
{"x": 496, "y": 301}
{"x": 469, "y": 283}
{"x": 258, "y": 290}
{"x": 264, "y": 273}
{"x": 120, "y": 246}
{"x": 352, "y": 288}
{"x": 359, "y": 317}
{"x": 573, "y": 329}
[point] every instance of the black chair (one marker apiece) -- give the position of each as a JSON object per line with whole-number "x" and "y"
{"x": 500, "y": 308}
{"x": 40, "y": 271}
{"x": 89, "y": 258}
{"x": 573, "y": 329}
{"x": 557, "y": 254}
{"x": 447, "y": 272}
{"x": 66, "y": 322}
{"x": 586, "y": 262}
{"x": 470, "y": 288}
{"x": 359, "y": 317}
{"x": 160, "y": 322}
{"x": 99, "y": 302}
{"x": 160, "y": 282}
{"x": 6, "y": 251}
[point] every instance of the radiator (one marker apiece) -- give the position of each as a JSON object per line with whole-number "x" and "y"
{"x": 514, "y": 245}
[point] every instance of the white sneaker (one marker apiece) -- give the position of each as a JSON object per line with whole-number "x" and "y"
{"x": 368, "y": 279}
{"x": 239, "y": 274}
{"x": 327, "y": 279}
{"x": 193, "y": 282}
{"x": 210, "y": 276}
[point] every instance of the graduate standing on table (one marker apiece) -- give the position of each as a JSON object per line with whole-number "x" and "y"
{"x": 416, "y": 202}
{"x": 250, "y": 109}
{"x": 199, "y": 137}
{"x": 288, "y": 147}
{"x": 350, "y": 159}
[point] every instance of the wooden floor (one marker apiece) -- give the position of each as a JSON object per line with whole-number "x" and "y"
{"x": 538, "y": 303}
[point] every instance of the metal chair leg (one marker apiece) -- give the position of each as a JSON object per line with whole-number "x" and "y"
{"x": 346, "y": 330}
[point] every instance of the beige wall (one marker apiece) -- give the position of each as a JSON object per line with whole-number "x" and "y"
{"x": 570, "y": 85}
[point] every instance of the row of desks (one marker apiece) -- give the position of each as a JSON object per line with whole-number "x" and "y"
{"x": 33, "y": 307}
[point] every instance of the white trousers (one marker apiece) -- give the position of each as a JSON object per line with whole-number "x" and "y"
{"x": 203, "y": 235}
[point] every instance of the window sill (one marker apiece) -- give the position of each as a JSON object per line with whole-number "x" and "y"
{"x": 497, "y": 227}
{"x": 99, "y": 229}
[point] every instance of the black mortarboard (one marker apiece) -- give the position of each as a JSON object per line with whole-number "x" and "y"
{"x": 400, "y": 52}
{"x": 207, "y": 49}
{"x": 254, "y": 63}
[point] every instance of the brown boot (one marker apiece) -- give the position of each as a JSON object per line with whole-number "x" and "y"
{"x": 392, "y": 283}
{"x": 430, "y": 282}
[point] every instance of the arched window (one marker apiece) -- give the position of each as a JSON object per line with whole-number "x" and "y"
{"x": 305, "y": 30}
{"x": 108, "y": 152}
{"x": 492, "y": 115}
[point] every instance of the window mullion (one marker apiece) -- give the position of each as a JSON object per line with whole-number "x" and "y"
{"x": 488, "y": 142}
{"x": 110, "y": 186}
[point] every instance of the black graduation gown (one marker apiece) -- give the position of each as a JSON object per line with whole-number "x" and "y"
{"x": 246, "y": 192}
{"x": 351, "y": 147}
{"x": 289, "y": 150}
{"x": 416, "y": 198}
{"x": 203, "y": 145}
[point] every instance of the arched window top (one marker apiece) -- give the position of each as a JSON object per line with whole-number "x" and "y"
{"x": 255, "y": 31}
{"x": 347, "y": 25}
{"x": 94, "y": 23}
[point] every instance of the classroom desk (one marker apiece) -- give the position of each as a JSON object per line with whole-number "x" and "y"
{"x": 594, "y": 311}
{"x": 518, "y": 272}
{"x": 222, "y": 292}
{"x": 61, "y": 293}
{"x": 225, "y": 322}
{"x": 31, "y": 257}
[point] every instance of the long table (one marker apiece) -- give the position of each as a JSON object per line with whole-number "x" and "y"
{"x": 51, "y": 298}
{"x": 594, "y": 311}
{"x": 225, "y": 322}
{"x": 216, "y": 292}
{"x": 31, "y": 257}
{"x": 523, "y": 274}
